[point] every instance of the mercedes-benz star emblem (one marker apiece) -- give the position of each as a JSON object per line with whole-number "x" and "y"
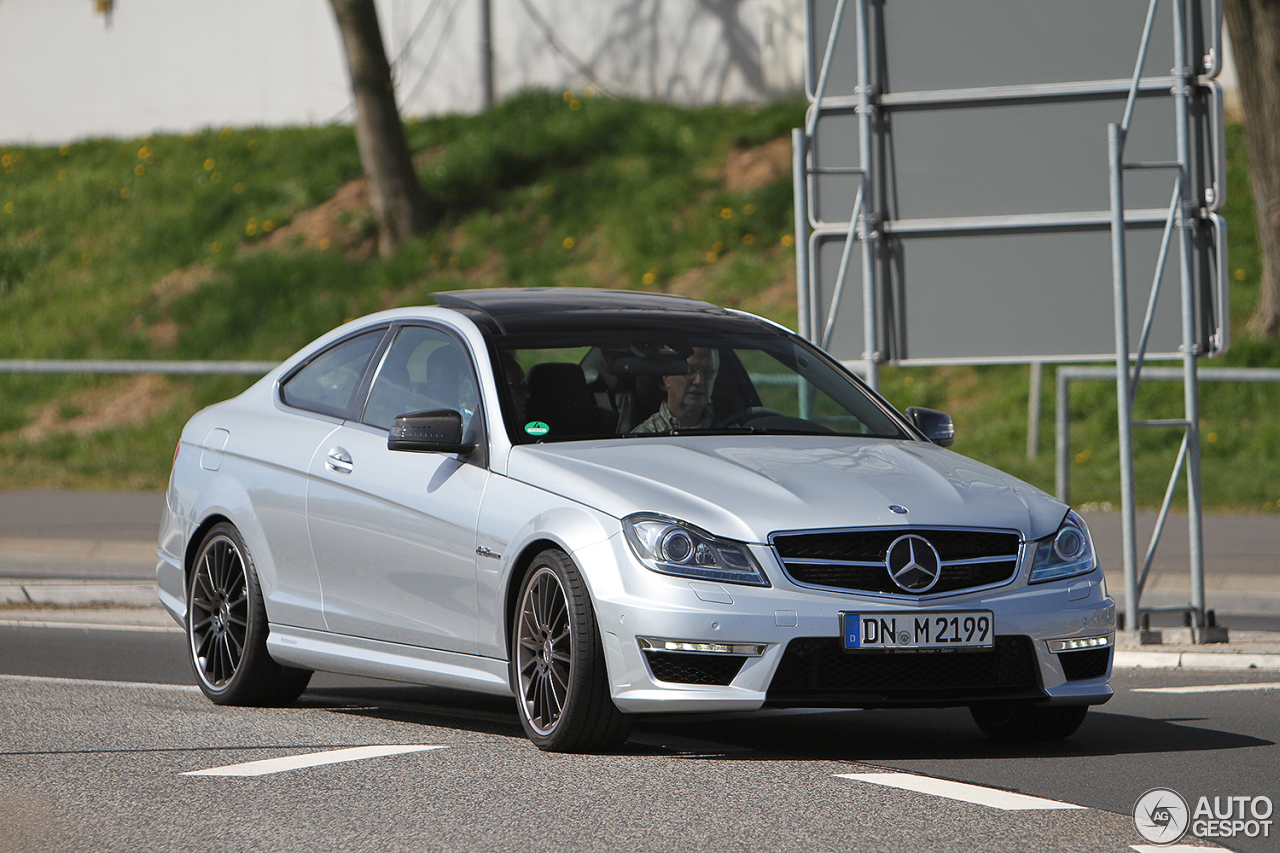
{"x": 913, "y": 563}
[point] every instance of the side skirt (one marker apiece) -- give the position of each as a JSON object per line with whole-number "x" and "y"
{"x": 319, "y": 650}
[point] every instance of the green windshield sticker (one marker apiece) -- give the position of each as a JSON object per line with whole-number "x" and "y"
{"x": 536, "y": 428}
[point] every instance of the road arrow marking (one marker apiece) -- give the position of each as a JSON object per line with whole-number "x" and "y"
{"x": 1210, "y": 688}
{"x": 962, "y": 791}
{"x": 310, "y": 759}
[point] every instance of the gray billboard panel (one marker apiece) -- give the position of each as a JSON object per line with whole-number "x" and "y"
{"x": 1016, "y": 295}
{"x": 988, "y": 175}
{"x": 1016, "y": 157}
{"x": 931, "y": 45}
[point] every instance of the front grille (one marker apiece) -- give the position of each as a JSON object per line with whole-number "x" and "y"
{"x": 1089, "y": 663}
{"x": 818, "y": 672}
{"x": 830, "y": 558}
{"x": 685, "y": 668}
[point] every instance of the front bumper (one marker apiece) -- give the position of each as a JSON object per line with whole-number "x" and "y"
{"x": 801, "y": 661}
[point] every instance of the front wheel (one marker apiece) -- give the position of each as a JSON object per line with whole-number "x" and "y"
{"x": 227, "y": 628}
{"x": 1022, "y": 721}
{"x": 557, "y": 662}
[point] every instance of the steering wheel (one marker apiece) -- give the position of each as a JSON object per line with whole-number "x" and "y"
{"x": 748, "y": 415}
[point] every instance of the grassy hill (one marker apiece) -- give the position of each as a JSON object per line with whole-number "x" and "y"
{"x": 245, "y": 243}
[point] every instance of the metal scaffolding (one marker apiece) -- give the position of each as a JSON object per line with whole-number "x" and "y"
{"x": 929, "y": 232}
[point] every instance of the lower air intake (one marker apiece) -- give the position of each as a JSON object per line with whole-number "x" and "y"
{"x": 684, "y": 668}
{"x": 818, "y": 672}
{"x": 1090, "y": 663}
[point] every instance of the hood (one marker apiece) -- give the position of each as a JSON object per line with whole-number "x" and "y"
{"x": 746, "y": 487}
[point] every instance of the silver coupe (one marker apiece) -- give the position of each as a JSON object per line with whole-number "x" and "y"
{"x": 609, "y": 504}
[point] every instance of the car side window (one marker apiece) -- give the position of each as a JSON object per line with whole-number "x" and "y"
{"x": 329, "y": 382}
{"x": 424, "y": 369}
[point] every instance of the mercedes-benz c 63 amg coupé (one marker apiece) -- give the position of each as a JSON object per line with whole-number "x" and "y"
{"x": 608, "y": 504}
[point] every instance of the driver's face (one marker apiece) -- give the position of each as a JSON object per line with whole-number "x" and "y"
{"x": 687, "y": 395}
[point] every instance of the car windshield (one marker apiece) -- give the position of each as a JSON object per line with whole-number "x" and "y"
{"x": 639, "y": 384}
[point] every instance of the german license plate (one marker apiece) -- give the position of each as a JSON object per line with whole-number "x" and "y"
{"x": 916, "y": 631}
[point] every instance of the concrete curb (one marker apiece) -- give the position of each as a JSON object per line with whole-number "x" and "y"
{"x": 77, "y": 594}
{"x": 1234, "y": 659}
{"x": 18, "y": 547}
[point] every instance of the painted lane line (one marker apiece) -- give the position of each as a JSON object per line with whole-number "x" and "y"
{"x": 310, "y": 759}
{"x": 962, "y": 791}
{"x": 91, "y": 626}
{"x": 1210, "y": 688}
{"x": 90, "y": 682}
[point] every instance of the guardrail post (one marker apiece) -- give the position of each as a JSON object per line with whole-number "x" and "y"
{"x": 1033, "y": 409}
{"x": 1062, "y": 438}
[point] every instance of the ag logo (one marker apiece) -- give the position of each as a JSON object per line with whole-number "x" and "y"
{"x": 1161, "y": 816}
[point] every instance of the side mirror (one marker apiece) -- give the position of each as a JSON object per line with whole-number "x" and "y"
{"x": 436, "y": 431}
{"x": 935, "y": 425}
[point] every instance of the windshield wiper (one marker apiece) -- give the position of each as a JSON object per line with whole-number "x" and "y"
{"x": 740, "y": 429}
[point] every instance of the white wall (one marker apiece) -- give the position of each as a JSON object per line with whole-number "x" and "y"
{"x": 164, "y": 65}
{"x": 178, "y": 65}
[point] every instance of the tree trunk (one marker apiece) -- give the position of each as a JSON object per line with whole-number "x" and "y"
{"x": 1255, "y": 39}
{"x": 400, "y": 205}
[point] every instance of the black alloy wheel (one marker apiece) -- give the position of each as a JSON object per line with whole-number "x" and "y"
{"x": 557, "y": 662}
{"x": 227, "y": 628}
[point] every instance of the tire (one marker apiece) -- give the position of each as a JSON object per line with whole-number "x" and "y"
{"x": 557, "y": 662}
{"x": 1022, "y": 721}
{"x": 227, "y": 628}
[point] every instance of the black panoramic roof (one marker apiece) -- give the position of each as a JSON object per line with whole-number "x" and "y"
{"x": 519, "y": 310}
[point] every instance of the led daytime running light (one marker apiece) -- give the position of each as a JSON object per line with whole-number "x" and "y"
{"x": 1078, "y": 643}
{"x": 657, "y": 644}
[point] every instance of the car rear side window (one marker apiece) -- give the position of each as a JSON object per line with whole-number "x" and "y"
{"x": 328, "y": 384}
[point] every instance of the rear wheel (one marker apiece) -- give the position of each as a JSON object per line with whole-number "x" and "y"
{"x": 227, "y": 628}
{"x": 1022, "y": 721}
{"x": 557, "y": 662}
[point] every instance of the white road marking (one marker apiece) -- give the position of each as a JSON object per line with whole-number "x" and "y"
{"x": 1170, "y": 848}
{"x": 1209, "y": 688}
{"x": 134, "y": 685}
{"x": 962, "y": 791}
{"x": 93, "y": 626}
{"x": 310, "y": 759}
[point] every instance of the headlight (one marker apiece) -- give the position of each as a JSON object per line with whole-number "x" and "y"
{"x": 672, "y": 547}
{"x": 1067, "y": 553}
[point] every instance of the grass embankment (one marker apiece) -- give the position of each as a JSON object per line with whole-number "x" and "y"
{"x": 247, "y": 243}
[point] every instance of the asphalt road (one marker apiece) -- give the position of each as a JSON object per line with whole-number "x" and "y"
{"x": 100, "y": 728}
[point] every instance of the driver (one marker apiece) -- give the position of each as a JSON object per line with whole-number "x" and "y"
{"x": 687, "y": 404}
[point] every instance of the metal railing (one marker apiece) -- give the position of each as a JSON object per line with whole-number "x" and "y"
{"x": 1062, "y": 429}
{"x": 189, "y": 368}
{"x": 1068, "y": 374}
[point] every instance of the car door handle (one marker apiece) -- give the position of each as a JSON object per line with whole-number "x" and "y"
{"x": 339, "y": 460}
